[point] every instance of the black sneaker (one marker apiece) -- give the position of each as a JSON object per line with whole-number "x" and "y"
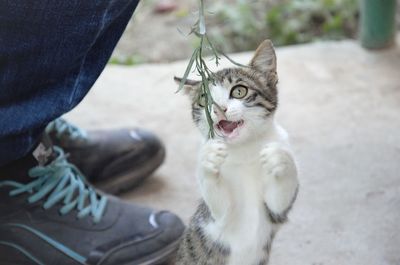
{"x": 51, "y": 215}
{"x": 113, "y": 161}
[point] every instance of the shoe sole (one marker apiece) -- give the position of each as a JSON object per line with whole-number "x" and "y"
{"x": 124, "y": 182}
{"x": 161, "y": 257}
{"x": 157, "y": 258}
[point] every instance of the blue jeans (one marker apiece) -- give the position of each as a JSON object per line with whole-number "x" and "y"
{"x": 51, "y": 53}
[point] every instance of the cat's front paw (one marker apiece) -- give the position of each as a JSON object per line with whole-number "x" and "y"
{"x": 277, "y": 162}
{"x": 280, "y": 180}
{"x": 212, "y": 157}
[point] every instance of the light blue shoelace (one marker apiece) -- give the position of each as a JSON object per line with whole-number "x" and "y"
{"x": 61, "y": 181}
{"x": 62, "y": 127}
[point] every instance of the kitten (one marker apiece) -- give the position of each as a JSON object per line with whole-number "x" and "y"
{"x": 246, "y": 173}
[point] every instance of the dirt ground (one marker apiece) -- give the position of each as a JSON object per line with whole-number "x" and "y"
{"x": 147, "y": 34}
{"x": 340, "y": 105}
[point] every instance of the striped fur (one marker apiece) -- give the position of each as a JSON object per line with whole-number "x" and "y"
{"x": 236, "y": 186}
{"x": 196, "y": 247}
{"x": 262, "y": 93}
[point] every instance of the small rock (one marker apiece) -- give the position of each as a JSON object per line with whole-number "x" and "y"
{"x": 165, "y": 6}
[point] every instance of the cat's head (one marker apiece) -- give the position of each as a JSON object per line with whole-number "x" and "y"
{"x": 246, "y": 98}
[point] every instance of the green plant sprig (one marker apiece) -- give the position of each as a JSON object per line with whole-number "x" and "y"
{"x": 197, "y": 63}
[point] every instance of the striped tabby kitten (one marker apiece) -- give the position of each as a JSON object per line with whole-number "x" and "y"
{"x": 247, "y": 174}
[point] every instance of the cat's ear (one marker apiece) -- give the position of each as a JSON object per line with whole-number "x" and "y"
{"x": 190, "y": 85}
{"x": 264, "y": 59}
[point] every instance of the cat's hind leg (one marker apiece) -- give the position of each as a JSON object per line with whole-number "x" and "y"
{"x": 279, "y": 179}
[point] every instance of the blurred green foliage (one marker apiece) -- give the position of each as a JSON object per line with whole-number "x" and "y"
{"x": 305, "y": 20}
{"x": 237, "y": 26}
{"x": 242, "y": 25}
{"x": 126, "y": 60}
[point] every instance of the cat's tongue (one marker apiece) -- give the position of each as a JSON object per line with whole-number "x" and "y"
{"x": 228, "y": 126}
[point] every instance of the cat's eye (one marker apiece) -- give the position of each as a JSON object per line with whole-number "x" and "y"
{"x": 239, "y": 92}
{"x": 202, "y": 100}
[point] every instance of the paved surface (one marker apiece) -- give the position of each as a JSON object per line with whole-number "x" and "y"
{"x": 341, "y": 105}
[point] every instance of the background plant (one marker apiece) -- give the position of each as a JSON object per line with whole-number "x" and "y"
{"x": 197, "y": 62}
{"x": 237, "y": 25}
{"x": 305, "y": 20}
{"x": 204, "y": 47}
{"x": 243, "y": 24}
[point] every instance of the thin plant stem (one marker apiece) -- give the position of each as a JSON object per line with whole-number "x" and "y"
{"x": 197, "y": 63}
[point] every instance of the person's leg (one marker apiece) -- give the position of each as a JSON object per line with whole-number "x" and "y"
{"x": 51, "y": 53}
{"x": 114, "y": 160}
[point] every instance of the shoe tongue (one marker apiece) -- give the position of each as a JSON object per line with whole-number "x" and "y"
{"x": 62, "y": 133}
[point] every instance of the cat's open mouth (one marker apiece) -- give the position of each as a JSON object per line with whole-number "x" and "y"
{"x": 228, "y": 127}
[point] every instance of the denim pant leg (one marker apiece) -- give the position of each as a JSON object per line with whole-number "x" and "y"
{"x": 51, "y": 53}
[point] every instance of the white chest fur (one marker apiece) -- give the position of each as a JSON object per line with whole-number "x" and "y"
{"x": 235, "y": 185}
{"x": 245, "y": 226}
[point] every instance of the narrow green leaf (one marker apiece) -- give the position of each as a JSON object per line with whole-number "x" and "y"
{"x": 233, "y": 61}
{"x": 199, "y": 65}
{"x": 187, "y": 71}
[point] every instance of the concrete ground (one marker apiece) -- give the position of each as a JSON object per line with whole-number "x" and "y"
{"x": 341, "y": 106}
